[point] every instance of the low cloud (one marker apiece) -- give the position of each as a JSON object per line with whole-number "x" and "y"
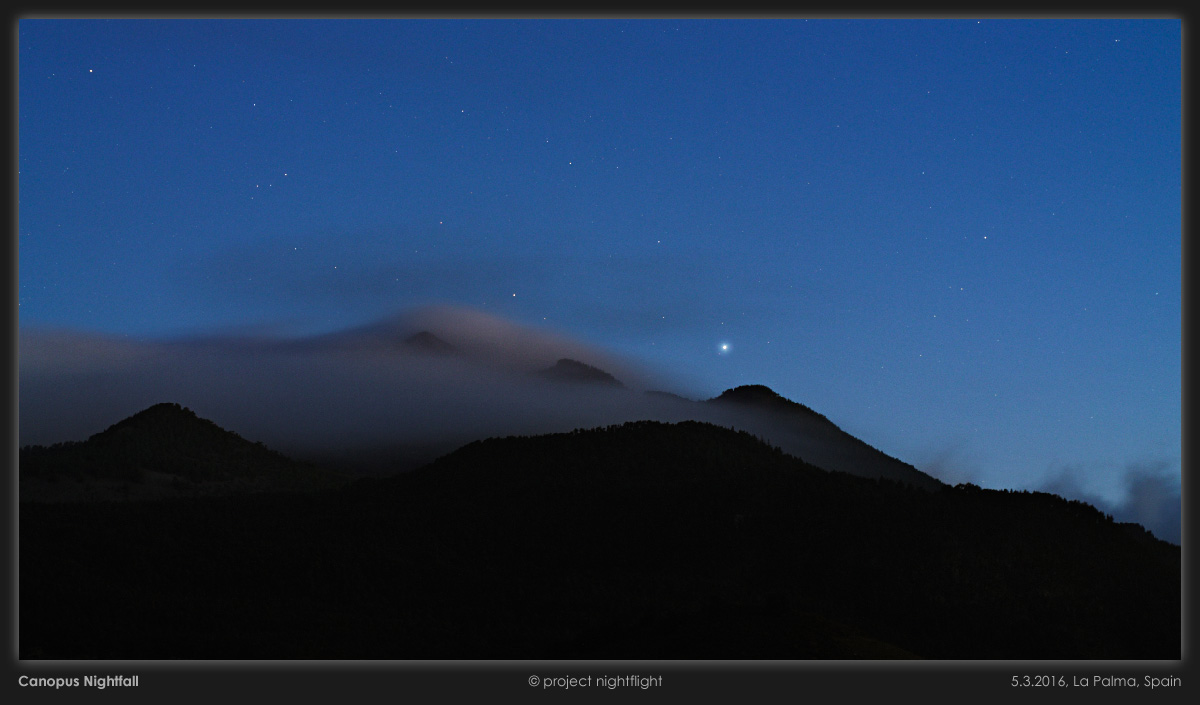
{"x": 1152, "y": 496}
{"x": 951, "y": 463}
{"x": 350, "y": 391}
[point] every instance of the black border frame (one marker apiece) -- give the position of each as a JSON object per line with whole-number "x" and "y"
{"x": 393, "y": 681}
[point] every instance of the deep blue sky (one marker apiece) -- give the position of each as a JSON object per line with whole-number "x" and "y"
{"x": 958, "y": 239}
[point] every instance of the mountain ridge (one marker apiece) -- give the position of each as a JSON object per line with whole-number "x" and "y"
{"x": 763, "y": 396}
{"x": 818, "y": 440}
{"x": 426, "y": 342}
{"x": 643, "y": 540}
{"x": 164, "y": 450}
{"x": 568, "y": 370}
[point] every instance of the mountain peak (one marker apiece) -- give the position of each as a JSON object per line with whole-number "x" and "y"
{"x": 166, "y": 438}
{"x": 163, "y": 431}
{"x": 568, "y": 370}
{"x": 427, "y": 342}
{"x": 750, "y": 392}
{"x": 764, "y": 397}
{"x": 163, "y": 450}
{"x": 157, "y": 419}
{"x": 820, "y": 441}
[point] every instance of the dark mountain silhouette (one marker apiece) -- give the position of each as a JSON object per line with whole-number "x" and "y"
{"x": 568, "y": 370}
{"x": 165, "y": 450}
{"x": 639, "y": 541}
{"x": 814, "y": 437}
{"x": 763, "y": 397}
{"x": 426, "y": 342}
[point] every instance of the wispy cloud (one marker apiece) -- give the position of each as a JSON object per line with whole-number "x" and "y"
{"x": 353, "y": 389}
{"x": 1152, "y": 496}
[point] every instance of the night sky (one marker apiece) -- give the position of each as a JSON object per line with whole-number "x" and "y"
{"x": 960, "y": 240}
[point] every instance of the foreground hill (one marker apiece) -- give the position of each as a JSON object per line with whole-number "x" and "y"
{"x": 163, "y": 451}
{"x": 640, "y": 541}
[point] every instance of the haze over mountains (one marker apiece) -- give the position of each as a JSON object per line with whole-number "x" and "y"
{"x": 396, "y": 387}
{"x": 618, "y": 536}
{"x": 400, "y": 392}
{"x": 356, "y": 389}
